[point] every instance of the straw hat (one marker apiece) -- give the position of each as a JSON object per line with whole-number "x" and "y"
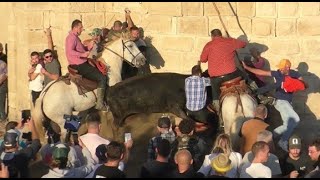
{"x": 221, "y": 163}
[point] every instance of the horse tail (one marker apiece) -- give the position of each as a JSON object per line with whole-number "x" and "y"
{"x": 38, "y": 118}
{"x": 38, "y": 115}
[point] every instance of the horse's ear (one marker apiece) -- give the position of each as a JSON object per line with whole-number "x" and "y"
{"x": 125, "y": 35}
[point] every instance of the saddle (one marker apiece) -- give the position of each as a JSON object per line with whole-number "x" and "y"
{"x": 84, "y": 85}
{"x": 233, "y": 86}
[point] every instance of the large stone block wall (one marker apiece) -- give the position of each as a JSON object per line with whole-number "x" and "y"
{"x": 178, "y": 30}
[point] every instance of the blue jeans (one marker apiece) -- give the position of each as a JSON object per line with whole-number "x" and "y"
{"x": 289, "y": 117}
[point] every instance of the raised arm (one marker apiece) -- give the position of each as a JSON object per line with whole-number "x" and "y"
{"x": 256, "y": 71}
{"x": 128, "y": 19}
{"x": 49, "y": 37}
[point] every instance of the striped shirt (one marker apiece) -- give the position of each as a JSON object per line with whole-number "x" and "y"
{"x": 196, "y": 94}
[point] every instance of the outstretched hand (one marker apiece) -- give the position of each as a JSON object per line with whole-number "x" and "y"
{"x": 48, "y": 31}
{"x": 244, "y": 65}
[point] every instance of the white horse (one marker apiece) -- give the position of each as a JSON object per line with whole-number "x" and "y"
{"x": 58, "y": 98}
{"x": 237, "y": 106}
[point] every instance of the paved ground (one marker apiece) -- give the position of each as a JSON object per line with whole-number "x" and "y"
{"x": 142, "y": 127}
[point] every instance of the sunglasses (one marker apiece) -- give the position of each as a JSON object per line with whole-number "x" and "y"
{"x": 48, "y": 56}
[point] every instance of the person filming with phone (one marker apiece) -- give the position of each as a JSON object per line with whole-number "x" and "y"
{"x": 18, "y": 160}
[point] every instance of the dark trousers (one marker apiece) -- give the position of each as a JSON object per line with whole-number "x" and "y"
{"x": 203, "y": 115}
{"x": 3, "y": 94}
{"x": 218, "y": 80}
{"x": 91, "y": 73}
{"x": 35, "y": 96}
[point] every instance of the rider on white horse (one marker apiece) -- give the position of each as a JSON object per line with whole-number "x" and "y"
{"x": 219, "y": 53}
{"x": 77, "y": 55}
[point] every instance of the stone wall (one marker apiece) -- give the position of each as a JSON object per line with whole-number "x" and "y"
{"x": 178, "y": 32}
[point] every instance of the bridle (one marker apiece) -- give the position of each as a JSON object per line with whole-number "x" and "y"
{"x": 124, "y": 47}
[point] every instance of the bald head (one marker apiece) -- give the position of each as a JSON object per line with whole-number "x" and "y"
{"x": 183, "y": 157}
{"x": 261, "y": 111}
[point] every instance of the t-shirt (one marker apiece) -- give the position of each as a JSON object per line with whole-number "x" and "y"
{"x": 279, "y": 78}
{"x": 53, "y": 68}
{"x": 255, "y": 170}
{"x": 272, "y": 162}
{"x": 155, "y": 169}
{"x": 108, "y": 172}
{"x": 303, "y": 165}
{"x": 92, "y": 141}
{"x": 37, "y": 84}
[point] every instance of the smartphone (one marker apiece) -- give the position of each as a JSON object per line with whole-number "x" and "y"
{"x": 127, "y": 137}
{"x": 25, "y": 115}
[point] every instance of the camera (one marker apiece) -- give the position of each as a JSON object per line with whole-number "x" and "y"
{"x": 72, "y": 122}
{"x": 25, "y": 115}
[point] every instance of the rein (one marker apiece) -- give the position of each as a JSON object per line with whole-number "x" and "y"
{"x": 124, "y": 47}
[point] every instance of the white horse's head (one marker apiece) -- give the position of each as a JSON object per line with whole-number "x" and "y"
{"x": 128, "y": 51}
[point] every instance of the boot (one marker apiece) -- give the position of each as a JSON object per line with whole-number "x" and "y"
{"x": 253, "y": 86}
{"x": 266, "y": 99}
{"x": 100, "y": 103}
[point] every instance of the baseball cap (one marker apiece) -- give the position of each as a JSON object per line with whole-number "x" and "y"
{"x": 101, "y": 151}
{"x": 295, "y": 142}
{"x": 11, "y": 138}
{"x": 60, "y": 151}
{"x": 164, "y": 122}
{"x": 284, "y": 63}
{"x": 95, "y": 32}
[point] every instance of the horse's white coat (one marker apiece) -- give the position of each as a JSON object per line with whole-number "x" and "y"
{"x": 62, "y": 99}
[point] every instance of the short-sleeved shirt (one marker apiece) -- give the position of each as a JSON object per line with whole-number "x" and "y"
{"x": 37, "y": 84}
{"x": 108, "y": 172}
{"x": 219, "y": 53}
{"x": 272, "y": 162}
{"x": 53, "y": 68}
{"x": 196, "y": 94}
{"x": 255, "y": 170}
{"x": 279, "y": 79}
{"x": 303, "y": 165}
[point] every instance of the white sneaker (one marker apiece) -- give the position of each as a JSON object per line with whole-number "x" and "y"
{"x": 283, "y": 145}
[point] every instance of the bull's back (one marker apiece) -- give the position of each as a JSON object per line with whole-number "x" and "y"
{"x": 149, "y": 92}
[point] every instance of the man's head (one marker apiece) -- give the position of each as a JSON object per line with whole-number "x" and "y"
{"x": 11, "y": 125}
{"x": 101, "y": 151}
{"x": 47, "y": 55}
{"x": 260, "y": 151}
{"x": 314, "y": 150}
{"x": 261, "y": 111}
{"x": 35, "y": 57}
{"x": 196, "y": 70}
{"x": 183, "y": 158}
{"x": 163, "y": 148}
{"x": 117, "y": 25}
{"x": 266, "y": 136}
{"x": 11, "y": 140}
{"x": 77, "y": 27}
{"x": 186, "y": 126}
{"x": 216, "y": 33}
{"x": 93, "y": 120}
{"x": 294, "y": 146}
{"x": 164, "y": 124}
{"x": 284, "y": 66}
{"x": 96, "y": 34}
{"x": 60, "y": 156}
{"x": 134, "y": 33}
{"x": 115, "y": 151}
